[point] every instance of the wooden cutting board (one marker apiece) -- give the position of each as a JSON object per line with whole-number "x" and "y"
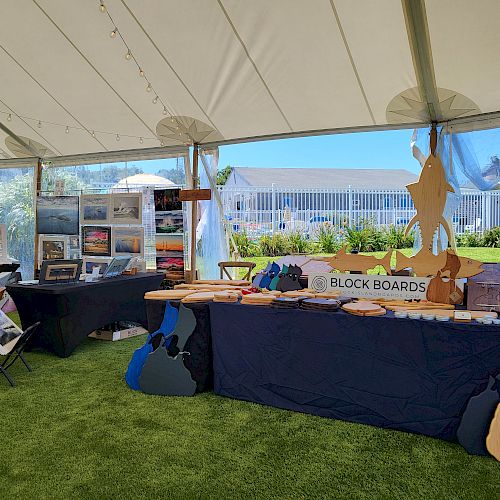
{"x": 199, "y": 297}
{"x": 364, "y": 308}
{"x": 167, "y": 294}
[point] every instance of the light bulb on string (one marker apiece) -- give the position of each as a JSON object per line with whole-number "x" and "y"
{"x": 67, "y": 130}
{"x": 141, "y": 140}
{"x": 155, "y": 99}
{"x": 172, "y": 119}
{"x": 162, "y": 143}
{"x": 117, "y": 137}
{"x": 128, "y": 55}
{"x": 92, "y": 134}
{"x": 149, "y": 88}
{"x": 9, "y": 117}
{"x": 141, "y": 72}
{"x": 113, "y": 33}
{"x": 102, "y": 7}
{"x": 165, "y": 112}
{"x": 39, "y": 124}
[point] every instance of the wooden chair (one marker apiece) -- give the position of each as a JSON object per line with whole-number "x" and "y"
{"x": 224, "y": 266}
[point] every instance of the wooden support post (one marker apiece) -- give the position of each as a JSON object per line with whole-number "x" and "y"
{"x": 37, "y": 187}
{"x": 194, "y": 213}
{"x": 433, "y": 139}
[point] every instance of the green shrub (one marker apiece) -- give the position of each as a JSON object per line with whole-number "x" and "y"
{"x": 246, "y": 247}
{"x": 274, "y": 245}
{"x": 396, "y": 237}
{"x": 469, "y": 240}
{"x": 297, "y": 242}
{"x": 366, "y": 239}
{"x": 328, "y": 237}
{"x": 491, "y": 237}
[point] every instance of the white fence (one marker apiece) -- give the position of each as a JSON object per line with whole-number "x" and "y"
{"x": 264, "y": 210}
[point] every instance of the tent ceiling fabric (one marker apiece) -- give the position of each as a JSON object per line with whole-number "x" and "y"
{"x": 237, "y": 70}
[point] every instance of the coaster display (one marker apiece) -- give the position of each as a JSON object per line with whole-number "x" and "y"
{"x": 364, "y": 308}
{"x": 258, "y": 299}
{"x": 167, "y": 294}
{"x": 199, "y": 297}
{"x": 285, "y": 303}
{"x": 319, "y": 304}
{"x": 440, "y": 313}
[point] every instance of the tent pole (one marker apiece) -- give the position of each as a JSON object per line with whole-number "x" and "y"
{"x": 433, "y": 138}
{"x": 37, "y": 187}
{"x": 194, "y": 213}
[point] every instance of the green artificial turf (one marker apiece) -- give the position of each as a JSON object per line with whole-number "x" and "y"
{"x": 73, "y": 429}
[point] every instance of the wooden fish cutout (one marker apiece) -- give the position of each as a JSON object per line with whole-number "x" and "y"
{"x": 344, "y": 261}
{"x": 429, "y": 198}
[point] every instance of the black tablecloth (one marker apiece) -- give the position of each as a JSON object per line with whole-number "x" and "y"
{"x": 199, "y": 344}
{"x": 411, "y": 375}
{"x": 69, "y": 312}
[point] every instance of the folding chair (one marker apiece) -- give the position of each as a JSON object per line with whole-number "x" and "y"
{"x": 14, "y": 350}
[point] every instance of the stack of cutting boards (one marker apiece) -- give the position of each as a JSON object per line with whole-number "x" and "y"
{"x": 227, "y": 296}
{"x": 198, "y": 297}
{"x": 167, "y": 294}
{"x": 285, "y": 303}
{"x": 319, "y": 304}
{"x": 364, "y": 308}
{"x": 258, "y": 299}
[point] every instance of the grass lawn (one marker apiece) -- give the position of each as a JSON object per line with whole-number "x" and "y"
{"x": 73, "y": 429}
{"x": 482, "y": 254}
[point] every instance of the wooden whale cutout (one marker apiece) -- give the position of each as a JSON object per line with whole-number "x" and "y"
{"x": 164, "y": 372}
{"x": 473, "y": 428}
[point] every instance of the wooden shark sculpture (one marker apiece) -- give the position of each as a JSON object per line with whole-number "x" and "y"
{"x": 344, "y": 261}
{"x": 429, "y": 197}
{"x": 425, "y": 263}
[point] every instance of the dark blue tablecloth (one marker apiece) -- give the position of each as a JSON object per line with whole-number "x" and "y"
{"x": 411, "y": 375}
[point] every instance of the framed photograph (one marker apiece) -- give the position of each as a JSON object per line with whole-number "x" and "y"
{"x": 173, "y": 266}
{"x": 9, "y": 334}
{"x": 60, "y": 271}
{"x": 167, "y": 200}
{"x": 169, "y": 222}
{"x": 126, "y": 208}
{"x": 3, "y": 242}
{"x": 57, "y": 215}
{"x": 52, "y": 247}
{"x": 96, "y": 240}
{"x": 90, "y": 262}
{"x": 128, "y": 241}
{"x": 74, "y": 242}
{"x": 117, "y": 266}
{"x": 95, "y": 208}
{"x": 169, "y": 243}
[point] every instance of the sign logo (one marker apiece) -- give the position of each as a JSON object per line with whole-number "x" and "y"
{"x": 371, "y": 286}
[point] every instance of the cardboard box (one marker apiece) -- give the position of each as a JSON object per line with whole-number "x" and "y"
{"x": 483, "y": 290}
{"x": 118, "y": 335}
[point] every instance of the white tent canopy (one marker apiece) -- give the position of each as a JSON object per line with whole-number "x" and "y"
{"x": 233, "y": 70}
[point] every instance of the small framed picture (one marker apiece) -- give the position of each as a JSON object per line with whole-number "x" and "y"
{"x": 96, "y": 240}
{"x": 128, "y": 241}
{"x": 90, "y": 262}
{"x": 60, "y": 271}
{"x": 51, "y": 247}
{"x": 95, "y": 208}
{"x": 126, "y": 208}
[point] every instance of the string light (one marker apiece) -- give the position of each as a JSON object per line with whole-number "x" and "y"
{"x": 141, "y": 140}
{"x": 93, "y": 134}
{"x": 141, "y": 73}
{"x": 113, "y": 33}
{"x": 162, "y": 143}
{"x": 165, "y": 112}
{"x": 117, "y": 137}
{"x": 149, "y": 88}
{"x": 102, "y": 7}
{"x": 9, "y": 117}
{"x": 67, "y": 129}
{"x": 39, "y": 124}
{"x": 128, "y": 55}
{"x": 155, "y": 99}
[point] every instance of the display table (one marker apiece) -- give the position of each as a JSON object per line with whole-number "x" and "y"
{"x": 199, "y": 344}
{"x": 411, "y": 375}
{"x": 68, "y": 313}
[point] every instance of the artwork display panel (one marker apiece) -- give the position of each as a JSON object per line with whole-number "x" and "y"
{"x": 128, "y": 241}
{"x": 167, "y": 200}
{"x": 96, "y": 240}
{"x": 126, "y": 208}
{"x": 95, "y": 209}
{"x": 57, "y": 214}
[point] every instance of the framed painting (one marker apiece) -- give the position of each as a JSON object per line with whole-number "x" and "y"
{"x": 128, "y": 241}
{"x": 96, "y": 241}
{"x": 95, "y": 208}
{"x": 57, "y": 214}
{"x": 167, "y": 200}
{"x": 126, "y": 208}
